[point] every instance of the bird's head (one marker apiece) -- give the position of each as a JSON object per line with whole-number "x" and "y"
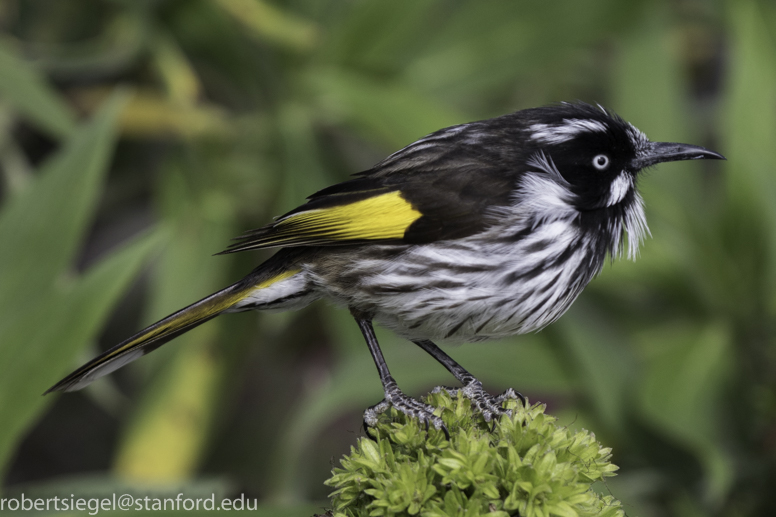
{"x": 597, "y": 154}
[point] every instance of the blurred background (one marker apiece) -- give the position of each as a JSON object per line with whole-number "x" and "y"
{"x": 138, "y": 136}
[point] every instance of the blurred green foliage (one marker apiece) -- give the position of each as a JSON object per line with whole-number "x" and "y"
{"x": 234, "y": 110}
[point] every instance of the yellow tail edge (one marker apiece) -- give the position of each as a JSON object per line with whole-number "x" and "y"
{"x": 164, "y": 330}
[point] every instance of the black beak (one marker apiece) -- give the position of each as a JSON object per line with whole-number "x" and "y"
{"x": 658, "y": 152}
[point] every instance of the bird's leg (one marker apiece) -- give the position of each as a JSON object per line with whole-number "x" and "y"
{"x": 393, "y": 395}
{"x": 472, "y": 389}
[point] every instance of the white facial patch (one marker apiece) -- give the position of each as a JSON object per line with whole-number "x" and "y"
{"x": 619, "y": 188}
{"x": 546, "y": 193}
{"x": 570, "y": 128}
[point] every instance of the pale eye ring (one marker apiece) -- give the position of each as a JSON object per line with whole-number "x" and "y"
{"x": 601, "y": 162}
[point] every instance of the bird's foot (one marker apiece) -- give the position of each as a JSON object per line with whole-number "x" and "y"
{"x": 488, "y": 405}
{"x": 411, "y": 407}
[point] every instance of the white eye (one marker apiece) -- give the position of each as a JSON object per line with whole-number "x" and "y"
{"x": 601, "y": 162}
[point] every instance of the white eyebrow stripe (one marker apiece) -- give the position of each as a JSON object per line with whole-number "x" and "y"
{"x": 586, "y": 124}
{"x": 571, "y": 127}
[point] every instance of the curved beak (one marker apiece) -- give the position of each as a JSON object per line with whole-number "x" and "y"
{"x": 658, "y": 152}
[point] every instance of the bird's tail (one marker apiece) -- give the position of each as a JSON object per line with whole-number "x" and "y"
{"x": 260, "y": 290}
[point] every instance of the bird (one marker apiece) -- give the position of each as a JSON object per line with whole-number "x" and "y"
{"x": 474, "y": 232}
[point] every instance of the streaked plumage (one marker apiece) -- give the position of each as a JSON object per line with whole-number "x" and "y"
{"x": 474, "y": 232}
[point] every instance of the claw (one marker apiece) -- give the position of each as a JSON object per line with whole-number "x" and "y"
{"x": 509, "y": 393}
{"x": 439, "y": 425}
{"x": 447, "y": 433}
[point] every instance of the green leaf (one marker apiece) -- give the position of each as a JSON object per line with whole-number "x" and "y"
{"x": 53, "y": 212}
{"x": 685, "y": 378}
{"x": 45, "y": 320}
{"x": 45, "y": 344}
{"x": 28, "y": 92}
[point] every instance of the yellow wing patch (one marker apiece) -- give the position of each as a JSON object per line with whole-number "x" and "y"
{"x": 386, "y": 216}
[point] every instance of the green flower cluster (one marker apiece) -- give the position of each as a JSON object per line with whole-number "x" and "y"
{"x": 526, "y": 466}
